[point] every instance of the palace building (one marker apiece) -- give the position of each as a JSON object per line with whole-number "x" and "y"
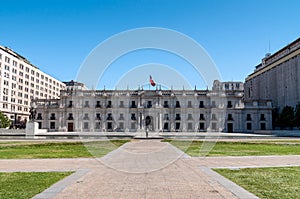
{"x": 219, "y": 109}
{"x": 276, "y": 78}
{"x": 20, "y": 82}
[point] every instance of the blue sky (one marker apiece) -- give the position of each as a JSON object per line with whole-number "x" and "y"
{"x": 57, "y": 35}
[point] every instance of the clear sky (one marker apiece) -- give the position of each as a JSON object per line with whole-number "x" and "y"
{"x": 57, "y": 35}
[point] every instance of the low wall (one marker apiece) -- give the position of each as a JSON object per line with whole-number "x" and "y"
{"x": 280, "y": 133}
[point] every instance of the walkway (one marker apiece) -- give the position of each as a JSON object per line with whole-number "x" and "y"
{"x": 145, "y": 169}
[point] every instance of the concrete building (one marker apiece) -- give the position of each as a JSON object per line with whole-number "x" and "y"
{"x": 219, "y": 109}
{"x": 277, "y": 78}
{"x": 20, "y": 82}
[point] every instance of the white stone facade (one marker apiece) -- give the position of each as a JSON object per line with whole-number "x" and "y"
{"x": 20, "y": 82}
{"x": 220, "y": 109}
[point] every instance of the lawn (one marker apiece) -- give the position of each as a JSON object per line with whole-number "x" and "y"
{"x": 250, "y": 148}
{"x": 24, "y": 185}
{"x": 58, "y": 149}
{"x": 279, "y": 182}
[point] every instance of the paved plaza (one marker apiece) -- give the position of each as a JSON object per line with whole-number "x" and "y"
{"x": 145, "y": 169}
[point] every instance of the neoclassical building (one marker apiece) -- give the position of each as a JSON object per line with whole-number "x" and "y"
{"x": 219, "y": 109}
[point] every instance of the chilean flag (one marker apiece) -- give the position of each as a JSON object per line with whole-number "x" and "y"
{"x": 152, "y": 81}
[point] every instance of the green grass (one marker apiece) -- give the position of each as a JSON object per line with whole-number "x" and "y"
{"x": 24, "y": 185}
{"x": 281, "y": 182}
{"x": 58, "y": 150}
{"x": 251, "y": 148}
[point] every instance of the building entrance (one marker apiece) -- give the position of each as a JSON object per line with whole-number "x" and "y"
{"x": 70, "y": 127}
{"x": 149, "y": 123}
{"x": 230, "y": 128}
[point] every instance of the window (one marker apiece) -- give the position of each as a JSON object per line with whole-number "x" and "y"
{"x": 70, "y": 116}
{"x": 262, "y": 117}
{"x": 98, "y": 104}
{"x": 201, "y": 126}
{"x": 248, "y": 117}
{"x": 177, "y": 126}
{"x": 121, "y": 104}
{"x": 202, "y": 116}
{"x": 177, "y": 117}
{"x": 70, "y": 104}
{"x": 39, "y": 116}
{"x": 214, "y": 126}
{"x": 21, "y": 66}
{"x": 85, "y": 125}
{"x": 214, "y": 117}
{"x": 177, "y": 104}
{"x": 190, "y": 126}
{"x": 109, "y": 116}
{"x": 7, "y": 60}
{"x": 133, "y": 105}
{"x": 98, "y": 116}
{"x": 6, "y": 67}
{"x": 121, "y": 125}
{"x": 190, "y": 117}
{"x": 52, "y": 116}
{"x": 201, "y": 105}
{"x": 14, "y": 78}
{"x": 86, "y": 116}
{"x": 149, "y": 104}
{"x": 121, "y": 116}
{"x": 133, "y": 116}
{"x": 14, "y": 63}
{"x": 52, "y": 125}
{"x": 86, "y": 104}
{"x": 229, "y": 104}
{"x": 262, "y": 126}
{"x": 249, "y": 126}
{"x": 27, "y": 69}
{"x": 109, "y": 105}
{"x": 229, "y": 117}
{"x": 213, "y": 104}
{"x": 133, "y": 125}
{"x": 166, "y": 116}
{"x": 166, "y": 104}
{"x": 190, "y": 104}
{"x": 97, "y": 125}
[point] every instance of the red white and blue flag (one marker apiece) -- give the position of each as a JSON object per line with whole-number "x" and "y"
{"x": 152, "y": 81}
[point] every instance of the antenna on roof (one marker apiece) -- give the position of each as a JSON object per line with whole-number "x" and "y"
{"x": 269, "y": 46}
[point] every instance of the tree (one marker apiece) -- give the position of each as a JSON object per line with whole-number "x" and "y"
{"x": 276, "y": 118}
{"x": 287, "y": 117}
{"x": 4, "y": 121}
{"x": 297, "y": 115}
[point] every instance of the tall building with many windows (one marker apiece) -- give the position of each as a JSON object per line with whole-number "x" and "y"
{"x": 277, "y": 78}
{"x": 20, "y": 82}
{"x": 219, "y": 109}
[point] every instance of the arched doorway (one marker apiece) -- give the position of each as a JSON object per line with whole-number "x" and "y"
{"x": 149, "y": 123}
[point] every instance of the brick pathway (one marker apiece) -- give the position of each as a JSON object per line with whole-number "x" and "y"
{"x": 145, "y": 169}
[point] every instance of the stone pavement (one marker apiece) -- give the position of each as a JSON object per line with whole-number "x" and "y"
{"x": 145, "y": 169}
